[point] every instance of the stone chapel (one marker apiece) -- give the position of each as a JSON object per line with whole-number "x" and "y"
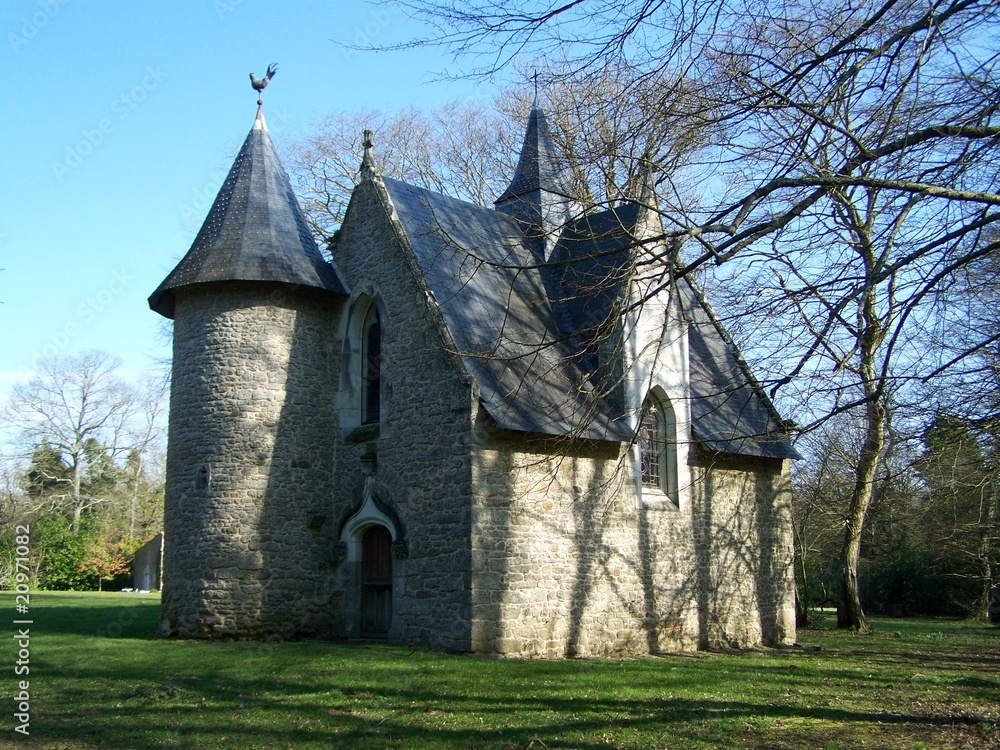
{"x": 475, "y": 430}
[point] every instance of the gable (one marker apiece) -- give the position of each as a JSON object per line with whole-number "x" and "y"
{"x": 492, "y": 297}
{"x": 523, "y": 348}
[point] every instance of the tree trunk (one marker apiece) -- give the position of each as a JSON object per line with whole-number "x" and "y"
{"x": 987, "y": 530}
{"x": 75, "y": 490}
{"x": 134, "y": 503}
{"x": 849, "y": 611}
{"x": 801, "y": 602}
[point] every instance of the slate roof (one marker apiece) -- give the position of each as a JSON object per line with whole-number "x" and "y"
{"x": 591, "y": 266}
{"x": 493, "y": 300}
{"x": 540, "y": 166}
{"x": 729, "y": 411}
{"x": 255, "y": 231}
{"x": 533, "y": 376}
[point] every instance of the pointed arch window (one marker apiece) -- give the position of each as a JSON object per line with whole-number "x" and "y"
{"x": 658, "y": 446}
{"x": 371, "y": 365}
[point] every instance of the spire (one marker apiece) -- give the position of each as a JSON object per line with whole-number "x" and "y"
{"x": 647, "y": 185}
{"x": 539, "y": 196}
{"x": 255, "y": 231}
{"x": 539, "y": 167}
{"x": 649, "y": 221}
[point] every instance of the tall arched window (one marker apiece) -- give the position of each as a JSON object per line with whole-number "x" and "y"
{"x": 658, "y": 446}
{"x": 371, "y": 367}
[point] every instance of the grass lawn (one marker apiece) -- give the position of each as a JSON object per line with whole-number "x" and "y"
{"x": 100, "y": 679}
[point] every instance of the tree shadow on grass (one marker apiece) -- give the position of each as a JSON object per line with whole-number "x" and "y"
{"x": 416, "y": 722}
{"x": 324, "y": 710}
{"x": 101, "y": 615}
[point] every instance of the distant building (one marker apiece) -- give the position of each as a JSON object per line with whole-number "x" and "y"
{"x": 476, "y": 430}
{"x": 146, "y": 565}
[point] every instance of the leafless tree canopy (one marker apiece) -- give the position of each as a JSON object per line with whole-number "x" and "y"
{"x": 84, "y": 412}
{"x": 845, "y": 182}
{"x": 469, "y": 150}
{"x": 464, "y": 150}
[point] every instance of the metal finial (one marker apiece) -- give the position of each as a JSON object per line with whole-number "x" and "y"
{"x": 534, "y": 102}
{"x": 259, "y": 84}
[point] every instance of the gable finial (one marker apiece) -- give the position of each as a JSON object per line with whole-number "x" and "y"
{"x": 368, "y": 160}
{"x": 259, "y": 84}
{"x": 647, "y": 183}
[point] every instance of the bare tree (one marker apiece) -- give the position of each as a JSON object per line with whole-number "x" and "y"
{"x": 968, "y": 339}
{"x": 463, "y": 150}
{"x": 614, "y": 123}
{"x": 852, "y": 161}
{"x": 823, "y": 488}
{"x": 469, "y": 150}
{"x": 961, "y": 508}
{"x": 145, "y": 435}
{"x": 75, "y": 404}
{"x": 862, "y": 257}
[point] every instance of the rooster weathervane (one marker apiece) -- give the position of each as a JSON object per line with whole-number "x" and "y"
{"x": 259, "y": 84}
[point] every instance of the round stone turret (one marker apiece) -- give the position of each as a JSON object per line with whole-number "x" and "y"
{"x": 249, "y": 459}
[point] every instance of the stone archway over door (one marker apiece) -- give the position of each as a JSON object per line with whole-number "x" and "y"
{"x": 376, "y": 582}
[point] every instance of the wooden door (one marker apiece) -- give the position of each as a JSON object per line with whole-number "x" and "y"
{"x": 376, "y": 582}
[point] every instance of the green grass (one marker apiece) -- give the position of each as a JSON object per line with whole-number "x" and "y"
{"x": 100, "y": 679}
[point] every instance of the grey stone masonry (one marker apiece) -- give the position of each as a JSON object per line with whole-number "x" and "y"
{"x": 249, "y": 462}
{"x": 567, "y": 564}
{"x": 422, "y": 444}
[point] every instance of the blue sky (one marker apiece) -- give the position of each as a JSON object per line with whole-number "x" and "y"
{"x": 121, "y": 121}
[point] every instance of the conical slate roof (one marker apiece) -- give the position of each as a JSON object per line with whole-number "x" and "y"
{"x": 255, "y": 231}
{"x": 539, "y": 167}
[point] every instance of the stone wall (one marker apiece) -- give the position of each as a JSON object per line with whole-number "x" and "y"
{"x": 566, "y": 563}
{"x": 422, "y": 447}
{"x": 504, "y": 543}
{"x": 249, "y": 462}
{"x": 743, "y": 532}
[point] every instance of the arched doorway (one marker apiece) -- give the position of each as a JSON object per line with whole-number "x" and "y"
{"x": 376, "y": 582}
